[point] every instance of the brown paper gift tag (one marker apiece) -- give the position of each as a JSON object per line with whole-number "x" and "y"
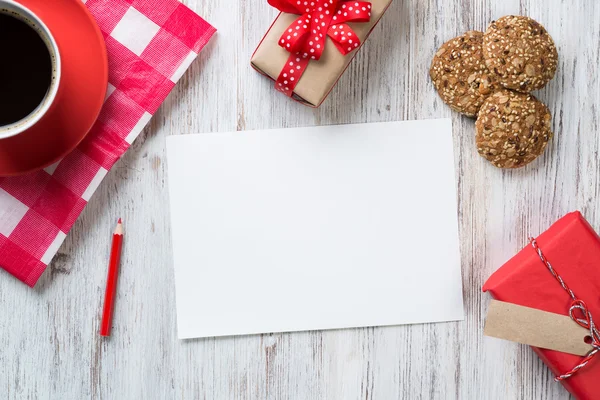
{"x": 536, "y": 328}
{"x": 320, "y": 76}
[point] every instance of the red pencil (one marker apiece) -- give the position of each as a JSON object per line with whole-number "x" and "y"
{"x": 111, "y": 281}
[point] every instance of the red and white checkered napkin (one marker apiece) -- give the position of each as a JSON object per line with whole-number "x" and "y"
{"x": 150, "y": 44}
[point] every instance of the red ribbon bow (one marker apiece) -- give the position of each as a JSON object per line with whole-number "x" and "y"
{"x": 305, "y": 38}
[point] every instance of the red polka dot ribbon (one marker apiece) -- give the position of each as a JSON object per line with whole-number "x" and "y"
{"x": 305, "y": 37}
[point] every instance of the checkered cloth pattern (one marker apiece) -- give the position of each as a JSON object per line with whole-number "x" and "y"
{"x": 150, "y": 45}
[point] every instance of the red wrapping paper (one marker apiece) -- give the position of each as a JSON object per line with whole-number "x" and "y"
{"x": 573, "y": 249}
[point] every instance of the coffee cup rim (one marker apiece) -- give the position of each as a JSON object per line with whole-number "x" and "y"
{"x": 37, "y": 114}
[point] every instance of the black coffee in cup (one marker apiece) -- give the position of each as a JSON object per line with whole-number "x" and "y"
{"x": 25, "y": 69}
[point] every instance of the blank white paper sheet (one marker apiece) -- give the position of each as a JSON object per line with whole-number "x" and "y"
{"x": 314, "y": 228}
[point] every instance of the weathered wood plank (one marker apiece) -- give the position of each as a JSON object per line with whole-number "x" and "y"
{"x": 49, "y": 347}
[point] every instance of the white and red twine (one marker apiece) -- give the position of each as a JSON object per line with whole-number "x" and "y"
{"x": 585, "y": 319}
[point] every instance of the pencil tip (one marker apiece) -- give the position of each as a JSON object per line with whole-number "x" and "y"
{"x": 119, "y": 221}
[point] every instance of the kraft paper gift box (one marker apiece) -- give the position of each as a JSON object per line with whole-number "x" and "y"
{"x": 321, "y": 74}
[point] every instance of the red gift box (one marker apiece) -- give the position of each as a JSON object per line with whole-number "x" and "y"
{"x": 573, "y": 249}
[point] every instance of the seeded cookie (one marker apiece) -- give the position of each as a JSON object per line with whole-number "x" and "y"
{"x": 459, "y": 73}
{"x": 520, "y": 52}
{"x": 513, "y": 129}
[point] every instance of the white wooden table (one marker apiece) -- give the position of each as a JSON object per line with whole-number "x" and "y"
{"x": 49, "y": 342}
